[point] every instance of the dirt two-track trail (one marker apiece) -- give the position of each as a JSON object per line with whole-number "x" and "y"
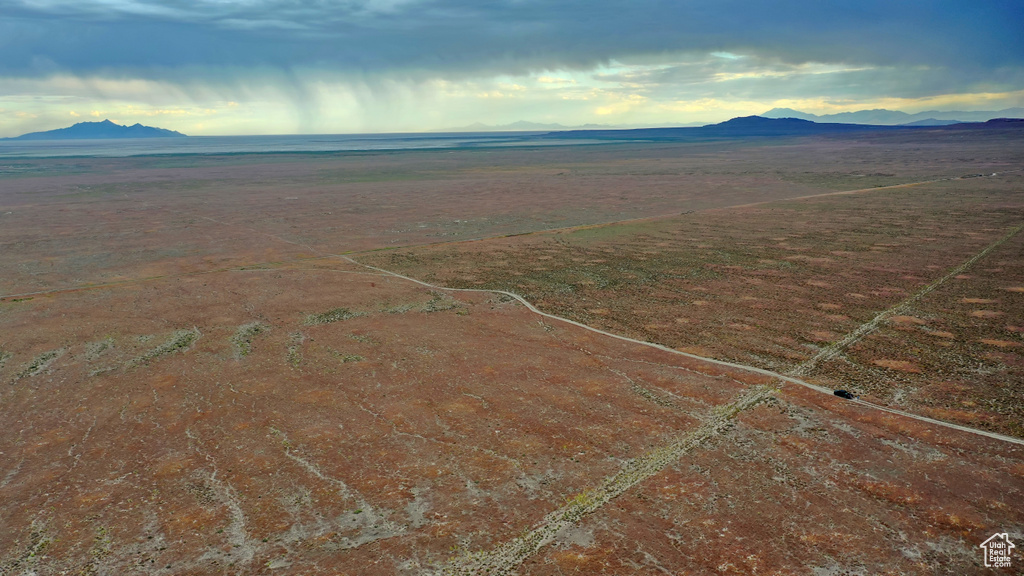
{"x": 504, "y": 559}
{"x": 829, "y": 352}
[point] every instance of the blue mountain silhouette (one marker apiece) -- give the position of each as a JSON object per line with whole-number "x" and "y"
{"x": 99, "y": 131}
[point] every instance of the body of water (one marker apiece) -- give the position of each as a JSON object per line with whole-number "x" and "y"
{"x": 269, "y": 144}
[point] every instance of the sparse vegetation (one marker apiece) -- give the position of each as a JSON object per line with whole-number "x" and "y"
{"x": 40, "y": 363}
{"x": 295, "y": 340}
{"x": 651, "y": 395}
{"x": 399, "y": 309}
{"x": 334, "y": 315}
{"x": 178, "y": 342}
{"x": 346, "y": 358}
{"x": 37, "y": 544}
{"x": 363, "y": 338}
{"x": 94, "y": 350}
{"x": 242, "y": 340}
{"x": 441, "y": 302}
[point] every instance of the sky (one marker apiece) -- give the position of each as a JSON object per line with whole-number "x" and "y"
{"x": 210, "y": 67}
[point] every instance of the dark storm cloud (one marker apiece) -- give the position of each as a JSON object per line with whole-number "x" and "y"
{"x": 162, "y": 38}
{"x": 753, "y": 77}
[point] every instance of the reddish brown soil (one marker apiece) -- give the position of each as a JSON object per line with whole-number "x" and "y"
{"x": 232, "y": 401}
{"x": 803, "y": 486}
{"x": 125, "y": 219}
{"x": 771, "y": 285}
{"x": 965, "y": 345}
{"x": 69, "y": 222}
{"x": 393, "y": 440}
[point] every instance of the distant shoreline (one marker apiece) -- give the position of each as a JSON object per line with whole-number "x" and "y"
{"x": 266, "y": 145}
{"x": 751, "y": 129}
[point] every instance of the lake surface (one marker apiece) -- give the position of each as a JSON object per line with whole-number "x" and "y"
{"x": 266, "y": 144}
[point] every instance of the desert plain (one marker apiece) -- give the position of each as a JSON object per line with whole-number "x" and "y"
{"x": 225, "y": 365}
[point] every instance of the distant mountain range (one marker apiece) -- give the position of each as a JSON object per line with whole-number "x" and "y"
{"x": 99, "y": 131}
{"x": 524, "y": 126}
{"x": 737, "y": 127}
{"x": 757, "y": 126}
{"x": 775, "y": 122}
{"x": 879, "y": 117}
{"x": 896, "y": 118}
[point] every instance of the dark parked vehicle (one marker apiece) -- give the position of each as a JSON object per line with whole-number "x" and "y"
{"x": 844, "y": 394}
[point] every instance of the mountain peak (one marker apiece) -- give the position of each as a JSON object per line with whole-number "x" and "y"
{"x": 762, "y": 121}
{"x": 102, "y": 130}
{"x": 789, "y": 113}
{"x": 881, "y": 116}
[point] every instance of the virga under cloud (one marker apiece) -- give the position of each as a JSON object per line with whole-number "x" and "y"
{"x": 318, "y": 65}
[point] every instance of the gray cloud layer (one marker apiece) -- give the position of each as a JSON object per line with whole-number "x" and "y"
{"x": 217, "y": 39}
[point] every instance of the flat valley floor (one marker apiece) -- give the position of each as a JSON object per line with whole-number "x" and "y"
{"x": 208, "y": 364}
